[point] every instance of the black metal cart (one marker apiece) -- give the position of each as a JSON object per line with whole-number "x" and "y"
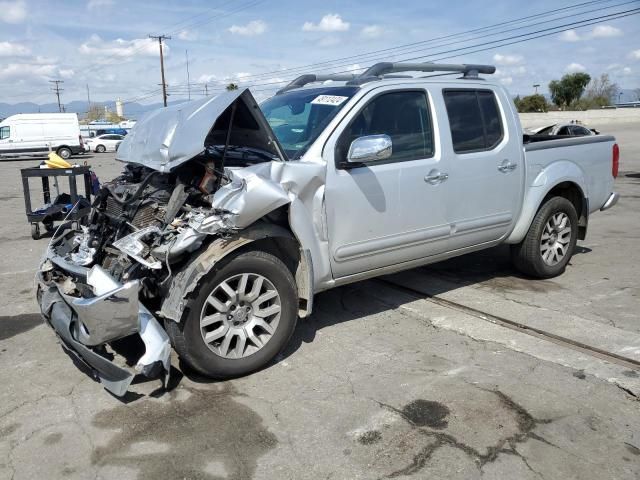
{"x": 62, "y": 206}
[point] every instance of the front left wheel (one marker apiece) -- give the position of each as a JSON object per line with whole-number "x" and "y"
{"x": 242, "y": 316}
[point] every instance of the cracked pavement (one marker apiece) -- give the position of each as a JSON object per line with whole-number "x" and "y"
{"x": 374, "y": 385}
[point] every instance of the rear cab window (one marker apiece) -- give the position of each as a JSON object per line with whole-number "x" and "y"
{"x": 474, "y": 119}
{"x": 4, "y": 133}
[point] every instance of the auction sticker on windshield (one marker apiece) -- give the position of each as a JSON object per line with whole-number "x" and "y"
{"x": 334, "y": 100}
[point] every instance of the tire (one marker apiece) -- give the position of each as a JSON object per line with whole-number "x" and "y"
{"x": 188, "y": 336}
{"x": 100, "y": 149}
{"x": 35, "y": 231}
{"x": 64, "y": 152}
{"x": 548, "y": 257}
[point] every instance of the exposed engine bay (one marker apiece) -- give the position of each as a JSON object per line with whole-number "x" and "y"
{"x": 108, "y": 278}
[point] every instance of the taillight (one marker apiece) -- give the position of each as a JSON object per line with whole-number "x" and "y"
{"x": 615, "y": 160}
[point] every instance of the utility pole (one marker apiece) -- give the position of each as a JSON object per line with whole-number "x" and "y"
{"x": 88, "y": 101}
{"x": 164, "y": 84}
{"x": 206, "y": 90}
{"x": 56, "y": 88}
{"x": 186, "y": 54}
{"x": 536, "y": 85}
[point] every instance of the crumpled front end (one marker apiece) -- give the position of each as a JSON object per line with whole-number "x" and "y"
{"x": 120, "y": 274}
{"x": 89, "y": 309}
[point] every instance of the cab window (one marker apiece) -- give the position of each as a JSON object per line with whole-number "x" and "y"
{"x": 474, "y": 120}
{"x": 4, "y": 133}
{"x": 404, "y": 116}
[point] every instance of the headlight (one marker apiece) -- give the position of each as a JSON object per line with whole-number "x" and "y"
{"x": 133, "y": 246}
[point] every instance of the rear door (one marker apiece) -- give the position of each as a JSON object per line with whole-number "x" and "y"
{"x": 386, "y": 213}
{"x": 486, "y": 165}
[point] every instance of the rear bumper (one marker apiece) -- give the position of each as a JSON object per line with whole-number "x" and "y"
{"x": 611, "y": 201}
{"x": 86, "y": 325}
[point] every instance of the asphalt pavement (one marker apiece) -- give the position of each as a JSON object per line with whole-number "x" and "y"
{"x": 410, "y": 376}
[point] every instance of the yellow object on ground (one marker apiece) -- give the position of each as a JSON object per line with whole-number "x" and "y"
{"x": 56, "y": 161}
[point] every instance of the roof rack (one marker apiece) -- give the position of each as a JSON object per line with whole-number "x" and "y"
{"x": 384, "y": 69}
{"x": 302, "y": 80}
{"x": 378, "y": 70}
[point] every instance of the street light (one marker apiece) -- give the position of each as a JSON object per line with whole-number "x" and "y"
{"x": 536, "y": 85}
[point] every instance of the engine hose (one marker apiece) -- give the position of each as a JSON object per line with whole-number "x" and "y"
{"x": 137, "y": 193}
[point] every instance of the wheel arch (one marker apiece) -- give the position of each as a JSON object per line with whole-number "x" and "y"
{"x": 569, "y": 187}
{"x": 264, "y": 236}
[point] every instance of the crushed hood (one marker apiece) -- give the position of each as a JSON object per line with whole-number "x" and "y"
{"x": 171, "y": 136}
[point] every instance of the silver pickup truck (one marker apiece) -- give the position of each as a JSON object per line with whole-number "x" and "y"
{"x": 229, "y": 217}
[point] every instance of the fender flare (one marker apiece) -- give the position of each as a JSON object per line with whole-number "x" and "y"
{"x": 186, "y": 280}
{"x": 547, "y": 179}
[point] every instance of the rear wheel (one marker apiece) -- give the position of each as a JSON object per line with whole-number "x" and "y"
{"x": 550, "y": 241}
{"x": 100, "y": 149}
{"x": 64, "y": 152}
{"x": 242, "y": 317}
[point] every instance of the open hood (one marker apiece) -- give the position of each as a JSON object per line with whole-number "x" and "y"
{"x": 168, "y": 137}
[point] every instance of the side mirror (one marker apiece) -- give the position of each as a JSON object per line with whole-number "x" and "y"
{"x": 370, "y": 149}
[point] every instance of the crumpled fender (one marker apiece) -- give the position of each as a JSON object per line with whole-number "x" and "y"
{"x": 185, "y": 281}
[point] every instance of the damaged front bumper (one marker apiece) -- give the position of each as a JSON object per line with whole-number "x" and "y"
{"x": 86, "y": 324}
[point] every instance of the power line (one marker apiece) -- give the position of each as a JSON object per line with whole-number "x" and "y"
{"x": 104, "y": 60}
{"x": 56, "y": 88}
{"x": 164, "y": 84}
{"x": 494, "y": 43}
{"x": 360, "y": 57}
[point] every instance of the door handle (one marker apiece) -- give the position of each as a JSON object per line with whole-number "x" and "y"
{"x": 435, "y": 177}
{"x": 507, "y": 167}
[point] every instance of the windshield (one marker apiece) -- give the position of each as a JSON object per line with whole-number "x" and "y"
{"x": 299, "y": 117}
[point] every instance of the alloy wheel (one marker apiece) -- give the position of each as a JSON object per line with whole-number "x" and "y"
{"x": 240, "y": 315}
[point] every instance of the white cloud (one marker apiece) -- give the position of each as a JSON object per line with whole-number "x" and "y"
{"x": 372, "y": 31}
{"x": 66, "y": 73}
{"x": 506, "y": 81}
{"x": 21, "y": 71}
{"x": 605, "y": 31}
{"x": 500, "y": 59}
{"x": 121, "y": 48}
{"x": 13, "y": 12}
{"x": 599, "y": 31}
{"x": 8, "y": 49}
{"x": 187, "y": 35}
{"x": 331, "y": 22}
{"x": 96, "y": 4}
{"x": 635, "y": 54}
{"x": 570, "y": 36}
{"x": 575, "y": 67}
{"x": 255, "y": 27}
{"x": 207, "y": 78}
{"x": 619, "y": 69}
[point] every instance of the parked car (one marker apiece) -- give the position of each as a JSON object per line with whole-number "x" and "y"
{"x": 565, "y": 129}
{"x": 104, "y": 143}
{"x": 221, "y": 229}
{"x": 35, "y": 134}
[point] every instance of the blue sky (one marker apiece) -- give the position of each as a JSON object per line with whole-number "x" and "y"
{"x": 104, "y": 43}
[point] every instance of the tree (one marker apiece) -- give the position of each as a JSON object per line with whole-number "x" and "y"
{"x": 532, "y": 103}
{"x": 568, "y": 89}
{"x": 232, "y": 86}
{"x": 601, "y": 92}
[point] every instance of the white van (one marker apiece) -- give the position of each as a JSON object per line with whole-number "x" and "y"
{"x": 38, "y": 133}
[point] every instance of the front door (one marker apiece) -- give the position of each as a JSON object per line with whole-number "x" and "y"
{"x": 394, "y": 210}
